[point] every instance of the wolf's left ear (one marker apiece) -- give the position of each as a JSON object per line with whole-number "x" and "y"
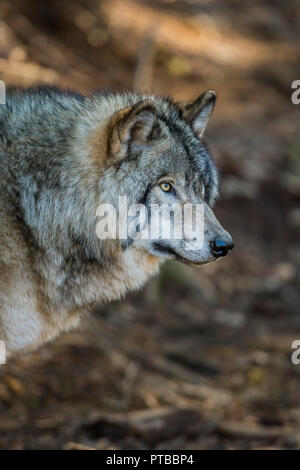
{"x": 197, "y": 113}
{"x": 132, "y": 125}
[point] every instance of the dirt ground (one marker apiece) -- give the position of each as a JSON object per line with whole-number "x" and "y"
{"x": 199, "y": 359}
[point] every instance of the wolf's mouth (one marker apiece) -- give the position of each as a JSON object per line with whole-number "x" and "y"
{"x": 164, "y": 249}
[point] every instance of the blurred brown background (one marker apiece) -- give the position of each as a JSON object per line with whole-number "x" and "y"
{"x": 200, "y": 359}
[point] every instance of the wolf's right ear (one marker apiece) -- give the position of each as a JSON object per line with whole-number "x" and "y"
{"x": 131, "y": 125}
{"x": 197, "y": 113}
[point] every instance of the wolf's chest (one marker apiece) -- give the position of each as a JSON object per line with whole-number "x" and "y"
{"x": 129, "y": 274}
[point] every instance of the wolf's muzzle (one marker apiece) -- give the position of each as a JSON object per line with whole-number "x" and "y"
{"x": 220, "y": 247}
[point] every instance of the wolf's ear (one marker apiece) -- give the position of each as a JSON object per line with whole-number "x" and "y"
{"x": 132, "y": 125}
{"x": 197, "y": 113}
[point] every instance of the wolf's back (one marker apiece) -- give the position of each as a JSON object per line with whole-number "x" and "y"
{"x": 37, "y": 116}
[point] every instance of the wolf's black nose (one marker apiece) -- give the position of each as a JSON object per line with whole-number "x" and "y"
{"x": 220, "y": 247}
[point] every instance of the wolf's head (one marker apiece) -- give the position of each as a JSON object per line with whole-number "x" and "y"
{"x": 157, "y": 159}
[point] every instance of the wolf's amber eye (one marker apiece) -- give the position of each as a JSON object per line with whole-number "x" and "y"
{"x": 165, "y": 187}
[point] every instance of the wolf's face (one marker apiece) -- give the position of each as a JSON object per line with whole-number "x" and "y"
{"x": 161, "y": 162}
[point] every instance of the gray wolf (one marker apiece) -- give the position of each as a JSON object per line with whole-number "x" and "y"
{"x": 61, "y": 155}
